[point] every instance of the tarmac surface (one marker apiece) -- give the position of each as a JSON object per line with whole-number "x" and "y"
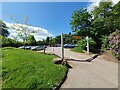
{"x": 98, "y": 73}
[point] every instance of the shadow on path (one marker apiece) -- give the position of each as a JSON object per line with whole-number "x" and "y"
{"x": 87, "y": 60}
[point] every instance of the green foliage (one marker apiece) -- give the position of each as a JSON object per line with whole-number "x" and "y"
{"x": 48, "y": 40}
{"x": 9, "y": 42}
{"x": 31, "y": 40}
{"x": 53, "y": 41}
{"x": 28, "y": 69}
{"x": 81, "y": 22}
{"x": 67, "y": 38}
{"x": 103, "y": 10}
{"x": 3, "y": 29}
{"x": 114, "y": 41}
{"x": 116, "y": 16}
{"x": 104, "y": 20}
{"x": 92, "y": 44}
{"x": 102, "y": 24}
{"x": 22, "y": 30}
{"x": 5, "y": 41}
{"x": 83, "y": 43}
{"x": 105, "y": 43}
{"x": 43, "y": 42}
{"x": 58, "y": 39}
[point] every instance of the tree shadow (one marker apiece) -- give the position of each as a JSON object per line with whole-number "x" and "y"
{"x": 98, "y": 51}
{"x": 87, "y": 60}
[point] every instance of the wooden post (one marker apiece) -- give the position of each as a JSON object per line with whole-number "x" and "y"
{"x": 44, "y": 49}
{"x": 87, "y": 38}
{"x": 62, "y": 48}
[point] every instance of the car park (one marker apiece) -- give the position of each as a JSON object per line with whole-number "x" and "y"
{"x": 28, "y": 47}
{"x": 21, "y": 47}
{"x": 37, "y": 48}
{"x": 25, "y": 47}
{"x": 69, "y": 46}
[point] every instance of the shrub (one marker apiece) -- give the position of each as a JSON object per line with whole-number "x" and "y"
{"x": 82, "y": 44}
{"x": 5, "y": 42}
{"x": 92, "y": 44}
{"x": 114, "y": 41}
{"x": 105, "y": 43}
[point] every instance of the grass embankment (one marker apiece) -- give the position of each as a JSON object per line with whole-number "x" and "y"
{"x": 27, "y": 69}
{"x": 77, "y": 49}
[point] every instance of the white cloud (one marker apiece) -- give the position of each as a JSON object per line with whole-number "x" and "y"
{"x": 96, "y": 3}
{"x": 41, "y": 32}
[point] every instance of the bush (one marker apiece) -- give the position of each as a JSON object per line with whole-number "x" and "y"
{"x": 114, "y": 41}
{"x": 105, "y": 43}
{"x": 83, "y": 43}
{"x": 92, "y": 44}
{"x": 5, "y": 41}
{"x": 9, "y": 42}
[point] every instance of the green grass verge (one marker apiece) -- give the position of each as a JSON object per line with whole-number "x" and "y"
{"x": 77, "y": 49}
{"x": 27, "y": 69}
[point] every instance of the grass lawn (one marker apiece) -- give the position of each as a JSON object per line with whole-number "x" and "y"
{"x": 27, "y": 69}
{"x": 77, "y": 49}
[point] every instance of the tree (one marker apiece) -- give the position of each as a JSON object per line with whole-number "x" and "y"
{"x": 53, "y": 41}
{"x": 58, "y": 39}
{"x": 15, "y": 37}
{"x": 81, "y": 22}
{"x": 4, "y": 41}
{"x": 82, "y": 44}
{"x": 103, "y": 10}
{"x": 42, "y": 42}
{"x": 9, "y": 42}
{"x": 116, "y": 16}
{"x": 31, "y": 40}
{"x": 48, "y": 40}
{"x": 22, "y": 29}
{"x": 103, "y": 23}
{"x": 3, "y": 29}
{"x": 67, "y": 38}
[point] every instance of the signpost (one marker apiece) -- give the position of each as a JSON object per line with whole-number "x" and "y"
{"x": 76, "y": 37}
{"x": 62, "y": 48}
{"x": 87, "y": 39}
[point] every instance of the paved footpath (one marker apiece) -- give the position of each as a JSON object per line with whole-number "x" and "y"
{"x": 98, "y": 73}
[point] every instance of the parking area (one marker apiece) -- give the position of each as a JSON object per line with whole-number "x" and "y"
{"x": 37, "y": 48}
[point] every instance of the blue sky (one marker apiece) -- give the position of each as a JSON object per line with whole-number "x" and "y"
{"x": 52, "y": 16}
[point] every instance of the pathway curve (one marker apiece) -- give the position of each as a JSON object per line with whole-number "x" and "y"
{"x": 98, "y": 73}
